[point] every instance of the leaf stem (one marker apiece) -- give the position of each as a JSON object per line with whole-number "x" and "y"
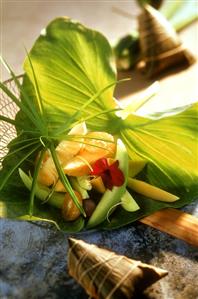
{"x": 34, "y": 181}
{"x": 34, "y": 218}
{"x": 133, "y": 106}
{"x": 20, "y": 148}
{"x": 41, "y": 192}
{"x": 28, "y": 109}
{"x": 10, "y": 172}
{"x": 8, "y": 120}
{"x": 65, "y": 180}
{"x": 37, "y": 90}
{"x": 87, "y": 103}
{"x": 10, "y": 94}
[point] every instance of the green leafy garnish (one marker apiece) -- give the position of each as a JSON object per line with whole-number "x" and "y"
{"x": 70, "y": 78}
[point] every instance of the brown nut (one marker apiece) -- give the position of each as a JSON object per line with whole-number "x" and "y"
{"x": 89, "y": 206}
{"x": 70, "y": 211}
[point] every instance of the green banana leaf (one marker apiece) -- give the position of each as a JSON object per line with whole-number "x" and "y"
{"x": 147, "y": 207}
{"x": 169, "y": 143}
{"x": 75, "y": 69}
{"x": 14, "y": 198}
{"x": 73, "y": 64}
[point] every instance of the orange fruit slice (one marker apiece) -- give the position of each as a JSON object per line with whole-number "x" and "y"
{"x": 47, "y": 174}
{"x": 68, "y": 149}
{"x": 97, "y": 145}
{"x": 65, "y": 150}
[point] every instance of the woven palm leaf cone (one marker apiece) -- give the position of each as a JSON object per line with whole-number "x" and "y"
{"x": 106, "y": 275}
{"x": 160, "y": 45}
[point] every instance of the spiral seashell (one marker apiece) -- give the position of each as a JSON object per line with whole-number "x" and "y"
{"x": 106, "y": 275}
{"x": 160, "y": 45}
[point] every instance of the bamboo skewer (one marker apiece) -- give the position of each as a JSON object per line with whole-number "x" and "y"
{"x": 176, "y": 223}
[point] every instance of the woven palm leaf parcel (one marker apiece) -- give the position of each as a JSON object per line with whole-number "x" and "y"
{"x": 106, "y": 275}
{"x": 160, "y": 45}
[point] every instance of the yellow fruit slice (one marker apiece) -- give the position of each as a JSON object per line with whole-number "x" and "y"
{"x": 98, "y": 185}
{"x": 97, "y": 145}
{"x": 59, "y": 187}
{"x": 69, "y": 210}
{"x": 66, "y": 150}
{"x": 47, "y": 174}
{"x": 151, "y": 191}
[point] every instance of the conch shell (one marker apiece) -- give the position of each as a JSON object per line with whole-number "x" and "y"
{"x": 105, "y": 275}
{"x": 160, "y": 45}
